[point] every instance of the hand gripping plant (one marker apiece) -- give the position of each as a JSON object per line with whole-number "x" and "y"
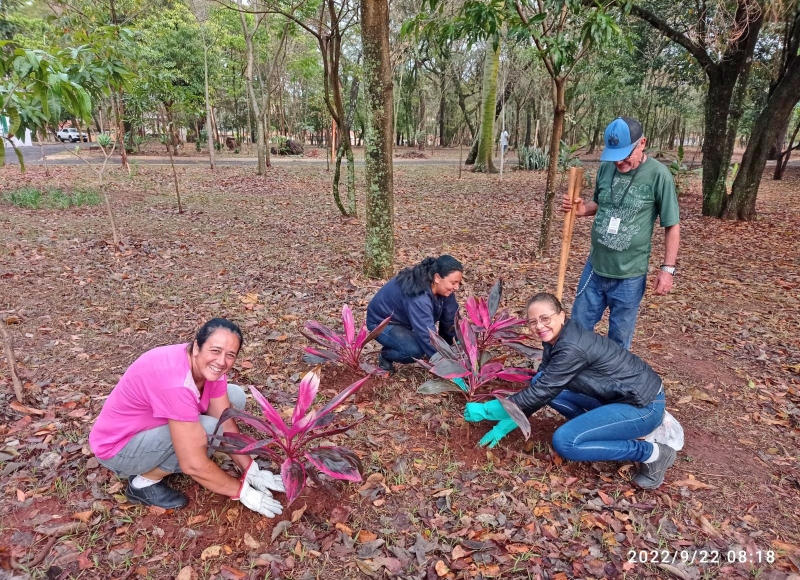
{"x": 466, "y": 362}
{"x": 290, "y": 445}
{"x": 342, "y": 348}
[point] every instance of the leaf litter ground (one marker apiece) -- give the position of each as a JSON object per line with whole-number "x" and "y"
{"x": 272, "y": 253}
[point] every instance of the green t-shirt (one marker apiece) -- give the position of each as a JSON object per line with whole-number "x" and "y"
{"x": 623, "y": 226}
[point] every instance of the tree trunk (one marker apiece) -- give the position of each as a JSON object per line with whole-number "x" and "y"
{"x": 773, "y": 119}
{"x": 527, "y": 126}
{"x": 484, "y": 162}
{"x": 442, "y": 108}
{"x": 727, "y": 80}
{"x": 726, "y": 88}
{"x": 248, "y": 75}
{"x": 559, "y": 112}
{"x": 120, "y": 114}
{"x": 783, "y": 158}
{"x": 209, "y": 136}
{"x": 379, "y": 254}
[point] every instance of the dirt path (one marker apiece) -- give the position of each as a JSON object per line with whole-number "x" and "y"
{"x": 725, "y": 342}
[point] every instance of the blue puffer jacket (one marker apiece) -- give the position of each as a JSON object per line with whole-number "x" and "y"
{"x": 417, "y": 313}
{"x": 587, "y": 363}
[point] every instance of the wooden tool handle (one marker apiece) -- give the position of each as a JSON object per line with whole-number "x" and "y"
{"x": 574, "y": 193}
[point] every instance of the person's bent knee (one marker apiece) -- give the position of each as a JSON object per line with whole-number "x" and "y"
{"x": 209, "y": 423}
{"x": 237, "y": 396}
{"x": 565, "y": 445}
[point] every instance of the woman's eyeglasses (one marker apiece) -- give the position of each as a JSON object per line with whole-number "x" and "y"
{"x": 544, "y": 320}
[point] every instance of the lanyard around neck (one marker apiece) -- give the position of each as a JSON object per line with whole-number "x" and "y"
{"x": 627, "y": 187}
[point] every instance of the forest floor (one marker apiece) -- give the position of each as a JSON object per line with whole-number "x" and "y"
{"x": 272, "y": 252}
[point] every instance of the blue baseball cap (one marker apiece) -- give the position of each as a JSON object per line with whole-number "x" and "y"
{"x": 620, "y": 138}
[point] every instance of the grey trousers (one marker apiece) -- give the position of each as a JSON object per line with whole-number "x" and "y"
{"x": 153, "y": 448}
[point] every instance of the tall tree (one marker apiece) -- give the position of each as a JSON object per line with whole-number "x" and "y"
{"x": 201, "y": 9}
{"x": 562, "y": 34}
{"x": 723, "y": 47}
{"x": 379, "y": 261}
{"x": 784, "y": 94}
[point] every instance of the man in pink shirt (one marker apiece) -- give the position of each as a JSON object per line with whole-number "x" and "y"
{"x": 156, "y": 421}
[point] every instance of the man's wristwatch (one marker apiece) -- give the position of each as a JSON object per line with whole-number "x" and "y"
{"x": 668, "y": 269}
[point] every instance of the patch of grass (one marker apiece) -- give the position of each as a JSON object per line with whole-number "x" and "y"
{"x": 27, "y": 197}
{"x": 34, "y": 198}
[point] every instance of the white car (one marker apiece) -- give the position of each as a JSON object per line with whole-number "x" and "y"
{"x": 72, "y": 135}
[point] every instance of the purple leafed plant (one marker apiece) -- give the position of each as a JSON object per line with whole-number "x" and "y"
{"x": 465, "y": 365}
{"x": 343, "y": 348}
{"x": 493, "y": 328}
{"x": 290, "y": 445}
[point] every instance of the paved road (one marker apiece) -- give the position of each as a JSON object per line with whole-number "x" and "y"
{"x": 33, "y": 156}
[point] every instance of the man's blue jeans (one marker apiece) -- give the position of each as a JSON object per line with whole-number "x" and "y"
{"x": 610, "y": 432}
{"x": 399, "y": 344}
{"x": 621, "y": 297}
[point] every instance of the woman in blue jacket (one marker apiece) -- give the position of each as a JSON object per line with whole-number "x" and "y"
{"x": 609, "y": 395}
{"x": 417, "y": 299}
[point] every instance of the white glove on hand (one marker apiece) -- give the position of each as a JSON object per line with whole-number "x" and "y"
{"x": 258, "y": 501}
{"x": 263, "y": 480}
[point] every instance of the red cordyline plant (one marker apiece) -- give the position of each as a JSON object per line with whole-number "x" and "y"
{"x": 290, "y": 445}
{"x": 465, "y": 362}
{"x": 343, "y": 348}
{"x": 493, "y": 328}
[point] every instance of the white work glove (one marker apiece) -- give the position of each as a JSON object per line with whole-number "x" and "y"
{"x": 258, "y": 501}
{"x": 263, "y": 480}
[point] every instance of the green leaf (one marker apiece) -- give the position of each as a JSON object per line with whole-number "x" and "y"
{"x": 15, "y": 120}
{"x": 19, "y": 158}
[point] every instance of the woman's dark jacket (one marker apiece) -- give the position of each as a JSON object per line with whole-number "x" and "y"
{"x": 417, "y": 313}
{"x": 587, "y": 363}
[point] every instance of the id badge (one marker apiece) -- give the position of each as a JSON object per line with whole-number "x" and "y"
{"x": 613, "y": 225}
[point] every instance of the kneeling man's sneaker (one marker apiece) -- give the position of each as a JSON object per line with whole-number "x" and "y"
{"x": 159, "y": 494}
{"x": 651, "y": 475}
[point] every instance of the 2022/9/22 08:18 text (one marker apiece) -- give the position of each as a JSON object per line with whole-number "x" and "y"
{"x": 712, "y": 557}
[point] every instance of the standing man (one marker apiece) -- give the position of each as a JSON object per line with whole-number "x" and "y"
{"x": 631, "y": 191}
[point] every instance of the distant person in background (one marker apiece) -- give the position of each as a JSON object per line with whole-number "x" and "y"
{"x": 417, "y": 299}
{"x": 156, "y": 422}
{"x": 631, "y": 192}
{"x": 503, "y": 142}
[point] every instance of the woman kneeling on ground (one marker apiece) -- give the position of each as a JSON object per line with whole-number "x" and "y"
{"x": 156, "y": 421}
{"x": 609, "y": 396}
{"x": 417, "y": 299}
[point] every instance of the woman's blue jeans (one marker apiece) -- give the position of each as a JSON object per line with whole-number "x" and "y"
{"x": 604, "y": 432}
{"x": 399, "y": 344}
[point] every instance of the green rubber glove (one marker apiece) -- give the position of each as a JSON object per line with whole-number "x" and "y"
{"x": 492, "y": 411}
{"x": 499, "y": 431}
{"x": 461, "y": 384}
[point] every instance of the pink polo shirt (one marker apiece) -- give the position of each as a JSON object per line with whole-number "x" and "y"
{"x": 157, "y": 387}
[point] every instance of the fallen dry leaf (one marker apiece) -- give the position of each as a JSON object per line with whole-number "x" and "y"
{"x": 211, "y": 552}
{"x": 186, "y": 573}
{"x": 345, "y": 529}
{"x": 83, "y": 516}
{"x": 297, "y": 514}
{"x": 20, "y": 408}
{"x": 251, "y": 542}
{"x": 441, "y": 568}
